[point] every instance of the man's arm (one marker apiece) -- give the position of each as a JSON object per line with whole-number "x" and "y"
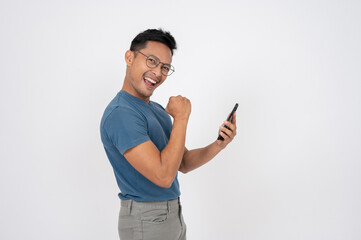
{"x": 162, "y": 167}
{"x": 195, "y": 158}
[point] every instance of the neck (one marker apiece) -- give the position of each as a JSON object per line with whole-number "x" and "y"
{"x": 129, "y": 89}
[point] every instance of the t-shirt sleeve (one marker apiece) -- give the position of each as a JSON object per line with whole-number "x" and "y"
{"x": 126, "y": 128}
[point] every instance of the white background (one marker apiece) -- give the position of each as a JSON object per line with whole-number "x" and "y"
{"x": 293, "y": 171}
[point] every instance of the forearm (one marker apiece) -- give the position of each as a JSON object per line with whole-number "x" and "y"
{"x": 195, "y": 158}
{"x": 172, "y": 155}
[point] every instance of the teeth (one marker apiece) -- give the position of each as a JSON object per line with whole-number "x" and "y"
{"x": 150, "y": 80}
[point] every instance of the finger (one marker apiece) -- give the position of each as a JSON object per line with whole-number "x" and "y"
{"x": 230, "y": 126}
{"x": 234, "y": 119}
{"x": 226, "y": 131}
{"x": 224, "y": 135}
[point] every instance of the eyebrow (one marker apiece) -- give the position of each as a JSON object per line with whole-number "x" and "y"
{"x": 168, "y": 64}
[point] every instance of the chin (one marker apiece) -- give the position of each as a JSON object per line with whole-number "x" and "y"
{"x": 145, "y": 94}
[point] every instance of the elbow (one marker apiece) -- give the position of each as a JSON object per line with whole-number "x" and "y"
{"x": 165, "y": 183}
{"x": 183, "y": 169}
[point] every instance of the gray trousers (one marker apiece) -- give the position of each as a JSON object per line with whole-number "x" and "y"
{"x": 151, "y": 220}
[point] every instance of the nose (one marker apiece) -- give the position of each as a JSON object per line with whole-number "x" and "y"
{"x": 157, "y": 71}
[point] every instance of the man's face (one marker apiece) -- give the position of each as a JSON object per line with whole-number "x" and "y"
{"x": 142, "y": 80}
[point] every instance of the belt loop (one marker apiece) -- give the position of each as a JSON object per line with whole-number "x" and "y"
{"x": 168, "y": 206}
{"x": 130, "y": 206}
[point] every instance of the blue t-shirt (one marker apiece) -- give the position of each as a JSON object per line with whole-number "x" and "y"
{"x": 127, "y": 122}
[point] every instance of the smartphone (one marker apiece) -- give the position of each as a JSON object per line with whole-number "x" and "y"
{"x": 228, "y": 119}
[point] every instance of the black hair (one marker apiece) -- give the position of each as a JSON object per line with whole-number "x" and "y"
{"x": 157, "y": 35}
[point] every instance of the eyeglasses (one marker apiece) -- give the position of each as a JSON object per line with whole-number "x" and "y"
{"x": 153, "y": 62}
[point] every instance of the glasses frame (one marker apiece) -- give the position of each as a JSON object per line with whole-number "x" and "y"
{"x": 171, "y": 67}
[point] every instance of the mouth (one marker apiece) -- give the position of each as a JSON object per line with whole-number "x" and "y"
{"x": 149, "y": 82}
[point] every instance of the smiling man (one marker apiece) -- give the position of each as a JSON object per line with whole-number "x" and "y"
{"x": 144, "y": 147}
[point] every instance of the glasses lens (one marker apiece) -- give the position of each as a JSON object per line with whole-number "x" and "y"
{"x": 152, "y": 62}
{"x": 167, "y": 70}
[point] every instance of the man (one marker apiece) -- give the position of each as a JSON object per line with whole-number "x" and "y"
{"x": 145, "y": 149}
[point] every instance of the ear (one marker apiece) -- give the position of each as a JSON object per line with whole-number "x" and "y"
{"x": 129, "y": 57}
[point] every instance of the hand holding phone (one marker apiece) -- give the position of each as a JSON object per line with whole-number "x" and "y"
{"x": 229, "y": 119}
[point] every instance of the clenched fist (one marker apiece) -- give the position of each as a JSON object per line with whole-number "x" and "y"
{"x": 179, "y": 107}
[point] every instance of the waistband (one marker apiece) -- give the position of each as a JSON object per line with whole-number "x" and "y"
{"x": 169, "y": 205}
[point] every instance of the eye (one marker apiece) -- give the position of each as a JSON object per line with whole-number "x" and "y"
{"x": 152, "y": 61}
{"x": 166, "y": 68}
